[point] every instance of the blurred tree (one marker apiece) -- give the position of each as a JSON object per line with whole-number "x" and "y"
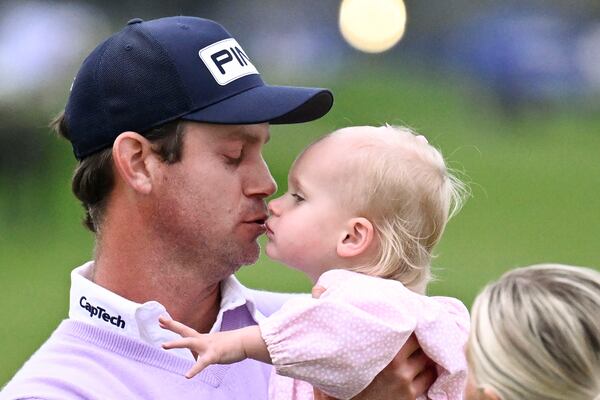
{"x": 22, "y": 148}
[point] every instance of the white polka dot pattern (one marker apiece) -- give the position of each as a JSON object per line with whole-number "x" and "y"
{"x": 342, "y": 340}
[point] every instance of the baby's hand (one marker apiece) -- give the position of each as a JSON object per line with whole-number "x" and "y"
{"x": 212, "y": 348}
{"x": 317, "y": 291}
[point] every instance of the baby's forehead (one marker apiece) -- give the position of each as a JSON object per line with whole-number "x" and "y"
{"x": 363, "y": 146}
{"x": 358, "y": 136}
{"x": 324, "y": 161}
{"x": 369, "y": 140}
{"x": 349, "y": 138}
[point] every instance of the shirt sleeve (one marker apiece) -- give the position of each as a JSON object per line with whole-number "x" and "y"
{"x": 341, "y": 341}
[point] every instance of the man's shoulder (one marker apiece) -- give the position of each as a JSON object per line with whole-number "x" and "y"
{"x": 66, "y": 366}
{"x": 44, "y": 374}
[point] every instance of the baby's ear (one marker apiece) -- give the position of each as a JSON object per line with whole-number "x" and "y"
{"x": 355, "y": 238}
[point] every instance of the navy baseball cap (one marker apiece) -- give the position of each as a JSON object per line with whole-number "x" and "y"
{"x": 153, "y": 72}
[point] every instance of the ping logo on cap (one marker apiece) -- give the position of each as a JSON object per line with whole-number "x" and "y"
{"x": 226, "y": 61}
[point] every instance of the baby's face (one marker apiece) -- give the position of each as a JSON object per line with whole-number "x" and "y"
{"x": 306, "y": 223}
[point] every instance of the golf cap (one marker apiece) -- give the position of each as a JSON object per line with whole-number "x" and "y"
{"x": 153, "y": 72}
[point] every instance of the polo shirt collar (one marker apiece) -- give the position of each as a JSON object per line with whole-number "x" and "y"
{"x": 98, "y": 306}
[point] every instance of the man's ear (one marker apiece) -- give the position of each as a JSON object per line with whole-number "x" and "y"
{"x": 132, "y": 154}
{"x": 356, "y": 237}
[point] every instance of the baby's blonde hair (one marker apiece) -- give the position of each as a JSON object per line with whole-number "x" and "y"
{"x": 535, "y": 334}
{"x": 401, "y": 184}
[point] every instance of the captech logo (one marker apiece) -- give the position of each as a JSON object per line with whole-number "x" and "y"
{"x": 101, "y": 313}
{"x": 226, "y": 61}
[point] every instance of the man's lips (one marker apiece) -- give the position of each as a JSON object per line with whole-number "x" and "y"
{"x": 259, "y": 219}
{"x": 256, "y": 224}
{"x": 269, "y": 230}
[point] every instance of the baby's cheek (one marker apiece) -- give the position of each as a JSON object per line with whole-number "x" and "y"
{"x": 270, "y": 250}
{"x": 290, "y": 251}
{"x": 301, "y": 254}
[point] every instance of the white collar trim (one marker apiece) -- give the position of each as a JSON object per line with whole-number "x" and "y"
{"x": 95, "y": 305}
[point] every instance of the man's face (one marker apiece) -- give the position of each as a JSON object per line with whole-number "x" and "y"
{"x": 210, "y": 205}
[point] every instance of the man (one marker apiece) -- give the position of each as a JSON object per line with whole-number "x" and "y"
{"x": 168, "y": 119}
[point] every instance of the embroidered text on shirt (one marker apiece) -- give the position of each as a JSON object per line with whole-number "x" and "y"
{"x": 101, "y": 313}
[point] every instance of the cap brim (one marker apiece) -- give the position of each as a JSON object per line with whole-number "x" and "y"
{"x": 273, "y": 104}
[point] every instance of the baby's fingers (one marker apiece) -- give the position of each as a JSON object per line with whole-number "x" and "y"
{"x": 317, "y": 291}
{"x": 176, "y": 327}
{"x": 202, "y": 363}
{"x": 185, "y": 343}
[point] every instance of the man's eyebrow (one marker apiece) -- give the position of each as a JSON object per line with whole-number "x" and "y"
{"x": 242, "y": 134}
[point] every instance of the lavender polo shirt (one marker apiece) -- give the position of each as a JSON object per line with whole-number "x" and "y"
{"x": 109, "y": 348}
{"x": 95, "y": 305}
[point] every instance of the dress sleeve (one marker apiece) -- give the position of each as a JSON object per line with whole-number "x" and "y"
{"x": 442, "y": 336}
{"x": 339, "y": 342}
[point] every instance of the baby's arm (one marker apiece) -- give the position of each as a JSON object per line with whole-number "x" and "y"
{"x": 217, "y": 348}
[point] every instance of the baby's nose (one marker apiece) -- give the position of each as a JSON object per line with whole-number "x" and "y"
{"x": 274, "y": 206}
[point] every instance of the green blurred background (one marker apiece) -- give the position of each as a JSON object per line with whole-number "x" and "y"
{"x": 532, "y": 163}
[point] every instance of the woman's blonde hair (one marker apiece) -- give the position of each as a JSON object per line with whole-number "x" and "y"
{"x": 535, "y": 334}
{"x": 400, "y": 182}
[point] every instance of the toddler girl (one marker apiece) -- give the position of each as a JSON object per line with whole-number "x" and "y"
{"x": 364, "y": 208}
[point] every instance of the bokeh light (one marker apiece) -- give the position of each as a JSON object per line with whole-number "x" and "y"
{"x": 372, "y": 26}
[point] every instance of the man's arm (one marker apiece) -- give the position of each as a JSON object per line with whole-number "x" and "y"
{"x": 408, "y": 376}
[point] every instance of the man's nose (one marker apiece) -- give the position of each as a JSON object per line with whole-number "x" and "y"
{"x": 261, "y": 182}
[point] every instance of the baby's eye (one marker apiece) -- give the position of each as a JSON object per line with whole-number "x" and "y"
{"x": 297, "y": 197}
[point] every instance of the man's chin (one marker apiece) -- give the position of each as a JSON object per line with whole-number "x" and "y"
{"x": 250, "y": 256}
